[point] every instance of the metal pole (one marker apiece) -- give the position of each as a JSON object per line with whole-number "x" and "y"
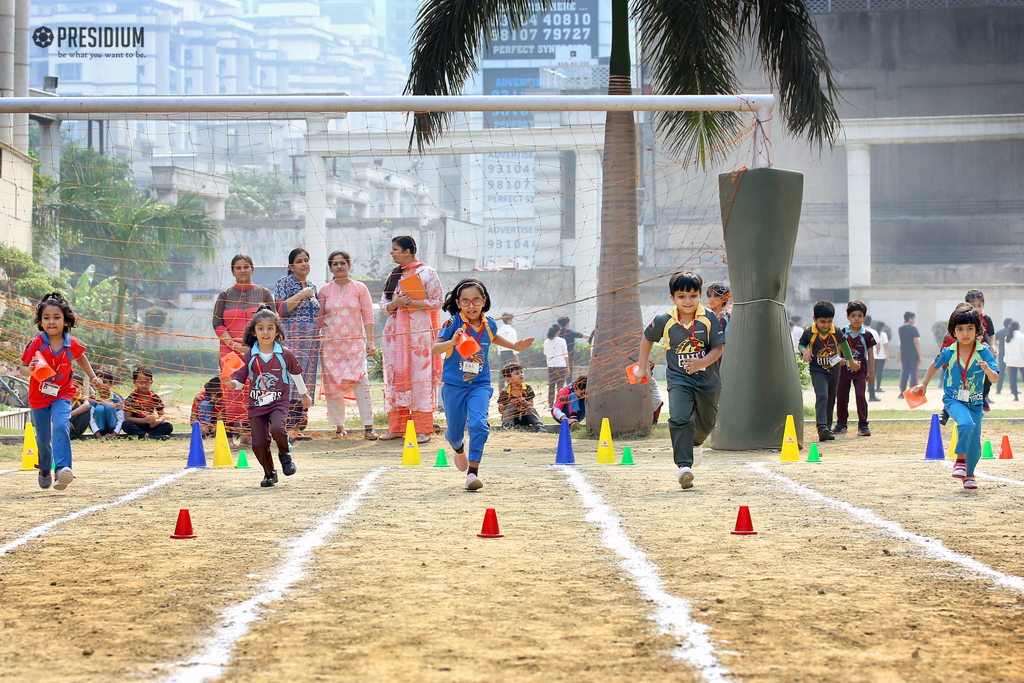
{"x": 762, "y": 141}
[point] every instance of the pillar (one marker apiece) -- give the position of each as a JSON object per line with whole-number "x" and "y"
{"x": 21, "y": 21}
{"x": 7, "y": 67}
{"x": 49, "y": 164}
{"x": 315, "y": 235}
{"x": 858, "y": 208}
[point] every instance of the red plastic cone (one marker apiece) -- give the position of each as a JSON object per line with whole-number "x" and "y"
{"x": 184, "y": 526}
{"x": 744, "y": 527}
{"x": 1006, "y": 453}
{"x": 490, "y": 529}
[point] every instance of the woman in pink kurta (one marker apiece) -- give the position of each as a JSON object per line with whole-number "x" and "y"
{"x": 411, "y": 373}
{"x": 346, "y": 329}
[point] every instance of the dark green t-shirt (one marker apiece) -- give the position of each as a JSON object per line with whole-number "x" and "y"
{"x": 692, "y": 341}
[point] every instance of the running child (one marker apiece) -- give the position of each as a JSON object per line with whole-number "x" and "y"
{"x": 821, "y": 345}
{"x": 106, "y": 415}
{"x": 264, "y": 366}
{"x": 571, "y": 403}
{"x": 694, "y": 342}
{"x": 860, "y": 340}
{"x": 466, "y": 382}
{"x": 515, "y": 401}
{"x": 968, "y": 363}
{"x": 50, "y": 400}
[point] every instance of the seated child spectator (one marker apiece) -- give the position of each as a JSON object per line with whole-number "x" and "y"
{"x": 516, "y": 400}
{"x": 206, "y": 407}
{"x": 145, "y": 417}
{"x": 571, "y": 404}
{"x": 107, "y": 409}
{"x": 79, "y": 409}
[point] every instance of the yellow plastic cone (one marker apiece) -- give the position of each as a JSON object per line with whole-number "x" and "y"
{"x": 29, "y": 449}
{"x": 952, "y": 445}
{"x": 790, "y": 449}
{"x": 605, "y": 448}
{"x": 411, "y": 452}
{"x": 221, "y": 449}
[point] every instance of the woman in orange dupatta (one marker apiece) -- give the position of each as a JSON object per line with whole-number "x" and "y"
{"x": 411, "y": 373}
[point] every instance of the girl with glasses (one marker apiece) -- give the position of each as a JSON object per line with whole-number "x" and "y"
{"x": 466, "y": 389}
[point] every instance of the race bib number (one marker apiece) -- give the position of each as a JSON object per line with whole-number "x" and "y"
{"x": 49, "y": 388}
{"x": 470, "y": 367}
{"x": 964, "y": 396}
{"x": 264, "y": 398}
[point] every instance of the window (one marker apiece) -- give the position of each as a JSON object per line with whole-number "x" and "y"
{"x": 188, "y": 84}
{"x": 188, "y": 57}
{"x": 222, "y": 65}
{"x": 69, "y": 71}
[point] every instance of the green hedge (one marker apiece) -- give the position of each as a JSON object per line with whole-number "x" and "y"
{"x": 187, "y": 360}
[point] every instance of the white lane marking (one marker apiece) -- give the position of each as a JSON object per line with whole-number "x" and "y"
{"x": 948, "y": 464}
{"x": 128, "y": 497}
{"x": 673, "y": 613}
{"x": 932, "y": 547}
{"x": 235, "y": 620}
{"x": 3, "y": 472}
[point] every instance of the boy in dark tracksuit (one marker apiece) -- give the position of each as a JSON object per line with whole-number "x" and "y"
{"x": 695, "y": 341}
{"x": 824, "y": 347}
{"x": 860, "y": 341}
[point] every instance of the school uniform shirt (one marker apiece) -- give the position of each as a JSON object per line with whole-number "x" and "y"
{"x": 118, "y": 413}
{"x": 464, "y": 372}
{"x": 683, "y": 343}
{"x": 556, "y": 355}
{"x": 58, "y": 386}
{"x": 215, "y": 414}
{"x": 908, "y": 352}
{"x": 508, "y": 396}
{"x": 268, "y": 377}
{"x": 971, "y": 377}
{"x": 141, "y": 404}
{"x": 825, "y": 348}
{"x": 881, "y": 348}
{"x": 859, "y": 345}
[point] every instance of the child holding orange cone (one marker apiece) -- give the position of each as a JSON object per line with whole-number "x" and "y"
{"x": 466, "y": 380}
{"x": 50, "y": 397}
{"x": 968, "y": 363}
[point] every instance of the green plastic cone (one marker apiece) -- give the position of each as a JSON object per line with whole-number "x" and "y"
{"x": 442, "y": 461}
{"x": 627, "y": 457}
{"x": 243, "y": 461}
{"x": 986, "y": 452}
{"x": 813, "y": 455}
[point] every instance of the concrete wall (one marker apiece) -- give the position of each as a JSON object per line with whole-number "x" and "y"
{"x": 15, "y": 198}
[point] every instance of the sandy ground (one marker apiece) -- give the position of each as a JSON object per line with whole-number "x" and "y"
{"x": 404, "y": 590}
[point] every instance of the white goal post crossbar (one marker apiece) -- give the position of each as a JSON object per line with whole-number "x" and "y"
{"x": 760, "y": 104}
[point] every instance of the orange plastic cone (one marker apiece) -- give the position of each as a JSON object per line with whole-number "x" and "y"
{"x": 490, "y": 529}
{"x": 184, "y": 526}
{"x": 1006, "y": 453}
{"x": 744, "y": 527}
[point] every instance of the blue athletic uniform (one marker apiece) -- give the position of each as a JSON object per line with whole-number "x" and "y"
{"x": 466, "y": 386}
{"x": 965, "y": 408}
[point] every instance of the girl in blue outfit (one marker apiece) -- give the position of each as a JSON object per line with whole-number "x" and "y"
{"x": 966, "y": 363}
{"x": 466, "y": 382}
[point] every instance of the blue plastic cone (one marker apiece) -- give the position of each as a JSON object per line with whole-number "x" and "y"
{"x": 564, "y": 455}
{"x": 196, "y": 452}
{"x": 935, "y": 450}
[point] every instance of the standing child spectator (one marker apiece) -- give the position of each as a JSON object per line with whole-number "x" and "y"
{"x": 570, "y": 336}
{"x": 1013, "y": 355}
{"x": 968, "y": 364}
{"x": 466, "y": 381}
{"x": 694, "y": 342}
{"x": 107, "y": 409}
{"x": 986, "y": 334}
{"x": 821, "y": 345}
{"x": 50, "y": 400}
{"x": 515, "y": 401}
{"x": 80, "y": 410}
{"x": 860, "y": 340}
{"x": 571, "y": 403}
{"x": 909, "y": 353}
{"x": 881, "y": 355}
{"x": 267, "y": 366}
{"x": 505, "y": 356}
{"x": 145, "y": 409}
{"x": 1001, "y": 352}
{"x": 796, "y": 331}
{"x": 206, "y": 407}
{"x": 557, "y": 358}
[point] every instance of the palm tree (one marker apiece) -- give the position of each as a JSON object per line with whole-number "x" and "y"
{"x": 99, "y": 209}
{"x": 689, "y": 49}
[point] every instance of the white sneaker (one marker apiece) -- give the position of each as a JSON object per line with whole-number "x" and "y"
{"x": 698, "y": 455}
{"x": 685, "y": 477}
{"x": 461, "y": 461}
{"x": 473, "y": 483}
{"x": 959, "y": 470}
{"x": 64, "y": 477}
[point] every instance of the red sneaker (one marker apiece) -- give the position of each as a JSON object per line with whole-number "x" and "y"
{"x": 969, "y": 482}
{"x": 960, "y": 469}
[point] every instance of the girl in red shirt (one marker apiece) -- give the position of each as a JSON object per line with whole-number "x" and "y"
{"x": 50, "y": 399}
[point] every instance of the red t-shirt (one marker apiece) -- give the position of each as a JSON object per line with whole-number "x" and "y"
{"x": 61, "y": 363}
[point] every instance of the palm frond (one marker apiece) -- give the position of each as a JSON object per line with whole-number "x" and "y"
{"x": 447, "y": 41}
{"x": 793, "y": 55}
{"x": 688, "y": 46}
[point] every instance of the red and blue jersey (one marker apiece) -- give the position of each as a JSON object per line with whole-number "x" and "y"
{"x": 61, "y": 364}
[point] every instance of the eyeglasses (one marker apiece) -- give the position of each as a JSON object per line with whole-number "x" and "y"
{"x": 472, "y": 302}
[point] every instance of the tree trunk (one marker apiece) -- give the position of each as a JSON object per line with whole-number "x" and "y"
{"x": 619, "y": 325}
{"x": 760, "y": 378}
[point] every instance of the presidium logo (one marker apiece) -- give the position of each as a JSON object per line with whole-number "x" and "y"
{"x": 91, "y": 36}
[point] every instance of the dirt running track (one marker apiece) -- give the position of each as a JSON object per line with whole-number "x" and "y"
{"x": 403, "y": 590}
